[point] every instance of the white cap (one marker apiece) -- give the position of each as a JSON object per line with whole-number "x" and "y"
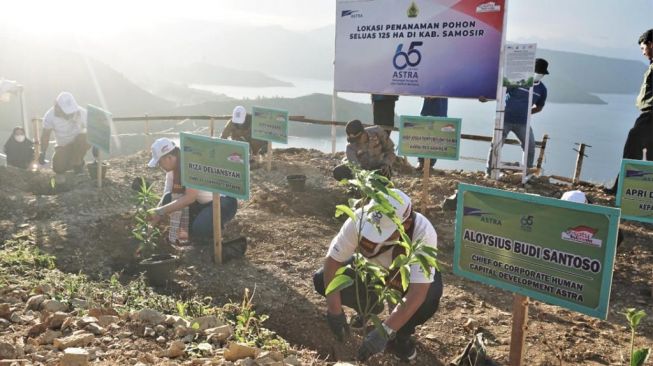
{"x": 67, "y": 103}
{"x": 160, "y": 147}
{"x": 238, "y": 115}
{"x": 574, "y": 196}
{"x": 378, "y": 227}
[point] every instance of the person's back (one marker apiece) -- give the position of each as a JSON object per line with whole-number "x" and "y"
{"x": 517, "y": 102}
{"x": 373, "y": 153}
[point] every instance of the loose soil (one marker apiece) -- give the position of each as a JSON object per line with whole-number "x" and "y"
{"x": 88, "y": 230}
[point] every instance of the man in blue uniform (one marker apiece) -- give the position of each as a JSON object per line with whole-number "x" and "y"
{"x": 516, "y": 112}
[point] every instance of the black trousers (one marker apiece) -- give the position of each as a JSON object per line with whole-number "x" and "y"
{"x": 348, "y": 298}
{"x": 639, "y": 137}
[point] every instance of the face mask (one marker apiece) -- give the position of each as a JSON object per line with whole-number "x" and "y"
{"x": 19, "y": 138}
{"x": 538, "y": 77}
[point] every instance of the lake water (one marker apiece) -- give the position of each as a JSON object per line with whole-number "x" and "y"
{"x": 603, "y": 127}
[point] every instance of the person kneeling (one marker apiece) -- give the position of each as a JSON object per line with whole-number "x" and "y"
{"x": 379, "y": 245}
{"x": 190, "y": 210}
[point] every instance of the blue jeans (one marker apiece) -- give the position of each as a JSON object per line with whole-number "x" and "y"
{"x": 201, "y": 216}
{"x": 202, "y": 226}
{"x": 520, "y": 131}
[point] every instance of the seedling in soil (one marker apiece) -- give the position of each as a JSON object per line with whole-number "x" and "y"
{"x": 637, "y": 357}
{"x": 143, "y": 231}
{"x": 376, "y": 279}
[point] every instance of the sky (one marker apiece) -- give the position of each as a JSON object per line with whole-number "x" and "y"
{"x": 605, "y": 27}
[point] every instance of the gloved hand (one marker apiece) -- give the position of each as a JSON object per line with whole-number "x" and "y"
{"x": 42, "y": 160}
{"x": 374, "y": 343}
{"x": 386, "y": 171}
{"x": 338, "y": 325}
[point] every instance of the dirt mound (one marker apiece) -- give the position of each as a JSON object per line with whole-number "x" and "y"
{"x": 288, "y": 232}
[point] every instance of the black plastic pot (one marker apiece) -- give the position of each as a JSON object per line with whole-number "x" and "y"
{"x": 297, "y": 182}
{"x": 160, "y": 269}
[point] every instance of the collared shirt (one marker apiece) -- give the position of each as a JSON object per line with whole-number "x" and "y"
{"x": 645, "y": 97}
{"x": 517, "y": 102}
{"x": 344, "y": 245}
{"x": 65, "y": 130}
{"x": 376, "y": 153}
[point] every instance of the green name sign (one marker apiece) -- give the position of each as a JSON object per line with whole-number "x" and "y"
{"x": 99, "y": 128}
{"x": 635, "y": 193}
{"x": 270, "y": 124}
{"x": 554, "y": 251}
{"x": 215, "y": 165}
{"x": 429, "y": 137}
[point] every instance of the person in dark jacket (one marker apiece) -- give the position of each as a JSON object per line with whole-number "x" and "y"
{"x": 19, "y": 149}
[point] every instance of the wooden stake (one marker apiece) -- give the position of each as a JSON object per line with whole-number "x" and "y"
{"x": 212, "y": 127}
{"x": 147, "y": 133}
{"x": 99, "y": 170}
{"x": 217, "y": 229}
{"x": 519, "y": 327}
{"x": 425, "y": 185}
{"x": 269, "y": 167}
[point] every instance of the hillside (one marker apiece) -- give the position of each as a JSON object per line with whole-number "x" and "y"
{"x": 88, "y": 231}
{"x": 45, "y": 71}
{"x": 204, "y": 73}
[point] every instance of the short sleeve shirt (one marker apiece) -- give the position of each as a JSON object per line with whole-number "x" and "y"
{"x": 517, "y": 103}
{"x": 65, "y": 130}
{"x": 343, "y": 246}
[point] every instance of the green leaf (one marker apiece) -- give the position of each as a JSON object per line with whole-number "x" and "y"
{"x": 195, "y": 326}
{"x": 338, "y": 283}
{"x": 634, "y": 316}
{"x": 405, "y": 276}
{"x": 344, "y": 209}
{"x": 341, "y": 270}
{"x": 640, "y": 356}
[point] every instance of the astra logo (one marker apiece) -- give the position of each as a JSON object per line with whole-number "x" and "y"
{"x": 411, "y": 57}
{"x": 486, "y": 217}
{"x": 351, "y": 14}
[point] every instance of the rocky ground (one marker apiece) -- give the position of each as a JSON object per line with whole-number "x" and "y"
{"x": 88, "y": 231}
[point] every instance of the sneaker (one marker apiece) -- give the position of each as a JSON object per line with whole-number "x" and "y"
{"x": 403, "y": 349}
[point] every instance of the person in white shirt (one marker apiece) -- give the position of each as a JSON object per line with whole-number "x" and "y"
{"x": 379, "y": 245}
{"x": 68, "y": 121}
{"x": 177, "y": 197}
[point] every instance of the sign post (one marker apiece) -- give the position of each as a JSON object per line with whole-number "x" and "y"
{"x": 635, "y": 190}
{"x": 99, "y": 134}
{"x": 270, "y": 125}
{"x": 429, "y": 138}
{"x": 554, "y": 251}
{"x": 218, "y": 166}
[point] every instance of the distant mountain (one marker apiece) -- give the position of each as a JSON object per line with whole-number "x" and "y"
{"x": 45, "y": 72}
{"x": 315, "y": 106}
{"x": 203, "y": 73}
{"x": 574, "y": 76}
